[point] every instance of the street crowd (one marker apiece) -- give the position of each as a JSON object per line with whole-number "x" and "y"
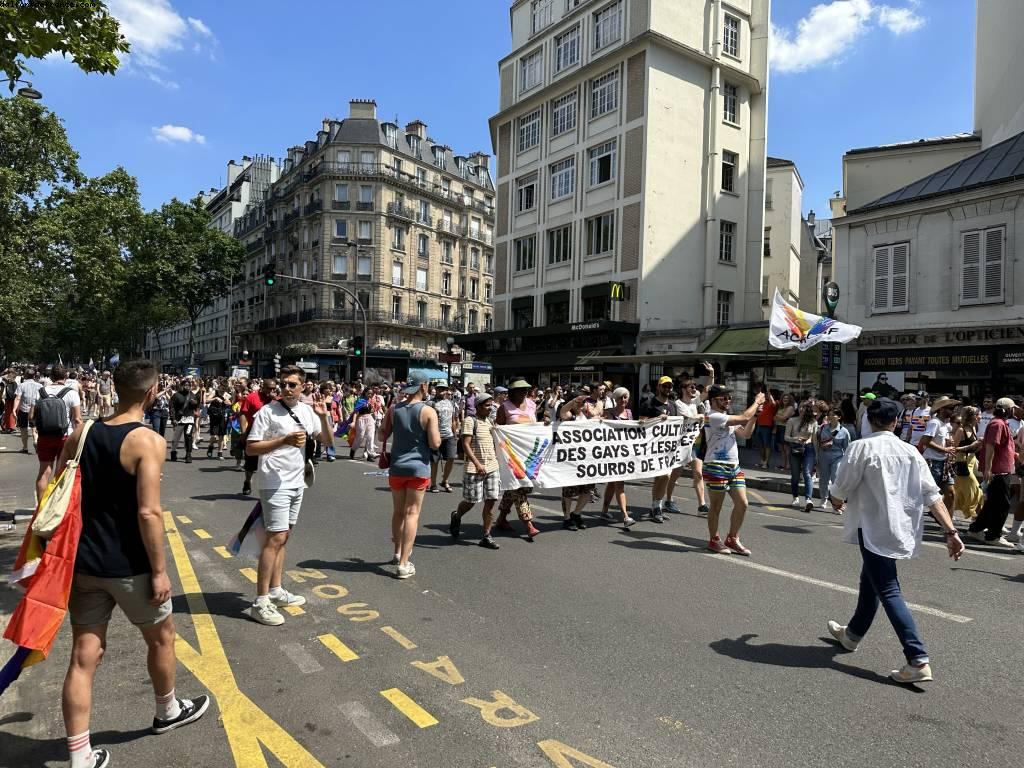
{"x": 881, "y": 459}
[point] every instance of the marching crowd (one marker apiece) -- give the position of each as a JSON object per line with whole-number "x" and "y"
{"x": 882, "y": 462}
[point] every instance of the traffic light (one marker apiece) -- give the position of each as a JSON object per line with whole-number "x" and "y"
{"x": 357, "y": 346}
{"x": 269, "y": 274}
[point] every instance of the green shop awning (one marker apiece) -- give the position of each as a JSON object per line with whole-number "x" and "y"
{"x": 739, "y": 341}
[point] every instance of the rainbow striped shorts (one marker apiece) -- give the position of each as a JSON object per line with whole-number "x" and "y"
{"x": 721, "y": 476}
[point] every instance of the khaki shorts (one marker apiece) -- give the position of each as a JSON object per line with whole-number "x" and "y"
{"x": 93, "y": 599}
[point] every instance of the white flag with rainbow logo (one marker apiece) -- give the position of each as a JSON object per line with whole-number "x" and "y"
{"x": 791, "y": 327}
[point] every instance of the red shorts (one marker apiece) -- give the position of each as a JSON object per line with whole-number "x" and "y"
{"x": 48, "y": 448}
{"x": 412, "y": 483}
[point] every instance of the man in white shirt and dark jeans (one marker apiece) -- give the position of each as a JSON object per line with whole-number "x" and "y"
{"x": 279, "y": 435}
{"x": 886, "y": 484}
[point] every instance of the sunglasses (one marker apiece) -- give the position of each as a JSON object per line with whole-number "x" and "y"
{"x": 724, "y": 397}
{"x": 291, "y": 384}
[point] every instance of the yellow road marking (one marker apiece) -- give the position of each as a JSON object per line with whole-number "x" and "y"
{"x": 338, "y": 648}
{"x": 184, "y": 520}
{"x": 222, "y": 551}
{"x": 398, "y": 637}
{"x": 409, "y": 708}
{"x": 293, "y": 610}
{"x": 249, "y": 573}
{"x": 248, "y": 728}
{"x": 201, "y": 533}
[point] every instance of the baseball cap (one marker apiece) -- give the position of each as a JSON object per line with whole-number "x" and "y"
{"x": 869, "y": 396}
{"x": 1006, "y": 403}
{"x": 416, "y": 380}
{"x": 664, "y": 380}
{"x": 483, "y": 397}
{"x": 501, "y": 390}
{"x": 718, "y": 390}
{"x": 882, "y": 410}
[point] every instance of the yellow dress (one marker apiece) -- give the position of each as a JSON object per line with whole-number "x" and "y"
{"x": 967, "y": 494}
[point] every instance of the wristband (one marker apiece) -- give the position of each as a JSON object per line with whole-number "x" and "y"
{"x": 954, "y": 532}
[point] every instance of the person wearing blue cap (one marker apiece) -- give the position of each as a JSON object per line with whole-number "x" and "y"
{"x": 885, "y": 485}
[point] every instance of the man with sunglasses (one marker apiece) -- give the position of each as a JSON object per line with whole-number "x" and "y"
{"x": 722, "y": 471}
{"x": 662, "y": 403}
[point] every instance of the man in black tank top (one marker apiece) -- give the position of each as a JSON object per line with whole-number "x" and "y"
{"x": 120, "y": 560}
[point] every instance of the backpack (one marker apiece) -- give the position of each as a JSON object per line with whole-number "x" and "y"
{"x": 215, "y": 410}
{"x": 11, "y": 389}
{"x": 52, "y": 417}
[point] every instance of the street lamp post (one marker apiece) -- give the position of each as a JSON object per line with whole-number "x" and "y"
{"x": 26, "y": 91}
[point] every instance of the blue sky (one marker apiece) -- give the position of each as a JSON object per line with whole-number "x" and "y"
{"x": 212, "y": 80}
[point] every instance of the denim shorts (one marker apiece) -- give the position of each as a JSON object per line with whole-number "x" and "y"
{"x": 939, "y": 472}
{"x": 280, "y": 508}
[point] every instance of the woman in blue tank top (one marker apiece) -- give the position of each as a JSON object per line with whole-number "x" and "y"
{"x": 416, "y": 433}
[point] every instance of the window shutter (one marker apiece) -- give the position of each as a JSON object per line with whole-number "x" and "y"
{"x": 881, "y": 302}
{"x": 994, "y": 239}
{"x": 970, "y": 280}
{"x": 899, "y": 269}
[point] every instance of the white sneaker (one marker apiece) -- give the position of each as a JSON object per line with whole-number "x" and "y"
{"x": 407, "y": 570}
{"x": 1020, "y": 546}
{"x": 266, "y": 613}
{"x": 824, "y": 505}
{"x": 796, "y": 501}
{"x": 838, "y": 631}
{"x": 286, "y": 598}
{"x": 1013, "y": 537}
{"x": 1001, "y": 542}
{"x": 910, "y": 674}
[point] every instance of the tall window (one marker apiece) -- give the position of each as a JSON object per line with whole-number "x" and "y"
{"x": 446, "y": 313}
{"x": 366, "y": 231}
{"x": 526, "y": 193}
{"x": 982, "y": 253}
{"x": 769, "y": 189}
{"x": 488, "y": 290}
{"x": 560, "y": 244}
{"x": 891, "y": 278}
{"x": 724, "y": 307}
{"x": 396, "y": 307}
{"x": 343, "y": 156}
{"x": 604, "y": 94}
{"x": 364, "y": 268}
{"x": 421, "y": 312}
{"x": 765, "y": 299}
{"x": 557, "y": 312}
{"x": 424, "y": 246}
{"x": 597, "y": 308}
{"x": 421, "y": 279}
{"x": 730, "y": 104}
{"x": 341, "y": 229}
{"x": 424, "y": 217}
{"x": 602, "y": 163}
{"x": 563, "y": 178}
{"x": 462, "y": 286}
{"x": 367, "y": 159}
{"x": 729, "y": 162}
{"x": 473, "y": 320}
{"x": 526, "y": 252}
{"x": 391, "y": 134}
{"x": 522, "y": 316}
{"x": 396, "y": 273}
{"x": 446, "y": 251}
{"x": 541, "y": 14}
{"x": 727, "y": 241}
{"x": 474, "y": 288}
{"x": 767, "y": 242}
{"x": 531, "y": 70}
{"x": 529, "y": 130}
{"x": 398, "y": 238}
{"x": 607, "y": 26}
{"x": 567, "y": 49}
{"x": 341, "y": 193}
{"x": 601, "y": 234}
{"x": 366, "y": 196}
{"x": 440, "y": 157}
{"x": 446, "y": 283}
{"x": 340, "y": 265}
{"x": 563, "y": 114}
{"x": 731, "y": 36}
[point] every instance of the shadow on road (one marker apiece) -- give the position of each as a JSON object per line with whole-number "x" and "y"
{"x": 219, "y": 497}
{"x": 798, "y": 656}
{"x": 352, "y": 565}
{"x": 230, "y": 605}
{"x": 24, "y": 750}
{"x": 220, "y": 469}
{"x": 786, "y": 528}
{"x": 1018, "y": 579}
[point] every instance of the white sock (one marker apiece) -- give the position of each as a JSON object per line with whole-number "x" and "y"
{"x": 167, "y": 707}
{"x": 80, "y": 749}
{"x": 262, "y": 599}
{"x": 276, "y": 591}
{"x": 657, "y": 504}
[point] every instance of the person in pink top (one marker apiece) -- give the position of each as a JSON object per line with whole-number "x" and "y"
{"x": 998, "y": 467}
{"x": 517, "y": 409}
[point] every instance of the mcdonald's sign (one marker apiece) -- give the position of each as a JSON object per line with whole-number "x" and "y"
{"x": 618, "y": 291}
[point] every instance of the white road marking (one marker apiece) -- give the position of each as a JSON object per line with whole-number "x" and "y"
{"x": 972, "y": 551}
{"x": 302, "y": 658}
{"x": 198, "y": 556}
{"x": 367, "y": 724}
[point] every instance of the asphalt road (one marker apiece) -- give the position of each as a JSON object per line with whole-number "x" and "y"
{"x": 592, "y": 648}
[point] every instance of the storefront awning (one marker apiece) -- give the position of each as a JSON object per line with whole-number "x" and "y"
{"x": 739, "y": 341}
{"x": 434, "y": 374}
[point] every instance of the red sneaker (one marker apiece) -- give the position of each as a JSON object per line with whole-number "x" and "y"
{"x": 531, "y": 531}
{"x": 734, "y": 545}
{"x": 716, "y": 546}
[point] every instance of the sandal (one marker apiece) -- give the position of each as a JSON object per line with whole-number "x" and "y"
{"x": 446, "y": 488}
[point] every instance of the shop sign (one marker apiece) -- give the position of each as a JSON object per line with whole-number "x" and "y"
{"x": 945, "y": 336}
{"x": 585, "y": 326}
{"x": 923, "y": 361}
{"x": 1011, "y": 358}
{"x": 474, "y": 366}
{"x": 584, "y": 368}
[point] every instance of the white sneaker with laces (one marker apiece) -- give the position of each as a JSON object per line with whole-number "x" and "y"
{"x": 407, "y": 570}
{"x": 838, "y": 631}
{"x": 286, "y": 598}
{"x": 266, "y": 613}
{"x": 796, "y": 501}
{"x": 909, "y": 674}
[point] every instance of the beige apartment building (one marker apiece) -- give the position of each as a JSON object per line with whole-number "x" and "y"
{"x": 398, "y": 219}
{"x": 630, "y": 143}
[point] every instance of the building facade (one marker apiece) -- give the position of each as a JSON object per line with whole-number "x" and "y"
{"x": 631, "y": 151}
{"x": 247, "y": 185}
{"x": 399, "y": 220}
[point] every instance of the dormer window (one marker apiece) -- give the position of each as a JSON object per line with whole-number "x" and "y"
{"x": 439, "y": 157}
{"x": 414, "y": 144}
{"x": 391, "y": 134}
{"x": 460, "y": 163}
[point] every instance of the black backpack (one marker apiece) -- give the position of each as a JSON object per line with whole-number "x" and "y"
{"x": 52, "y": 417}
{"x": 215, "y": 410}
{"x": 11, "y": 389}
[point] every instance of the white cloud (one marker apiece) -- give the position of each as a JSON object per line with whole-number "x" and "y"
{"x": 199, "y": 27}
{"x": 177, "y": 133}
{"x": 156, "y": 30}
{"x": 830, "y": 30}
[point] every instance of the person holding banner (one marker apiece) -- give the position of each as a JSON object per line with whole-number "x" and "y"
{"x": 576, "y": 410}
{"x": 617, "y": 489}
{"x": 722, "y": 472}
{"x": 691, "y": 405}
{"x": 517, "y": 409}
{"x": 480, "y": 479}
{"x": 662, "y": 403}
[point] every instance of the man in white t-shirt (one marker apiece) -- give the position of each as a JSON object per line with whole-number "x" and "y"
{"x": 865, "y": 425}
{"x": 988, "y": 403}
{"x": 49, "y": 446}
{"x": 280, "y": 433}
{"x": 721, "y": 470}
{"x": 691, "y": 406}
{"x": 919, "y": 419}
{"x": 937, "y": 450}
{"x": 24, "y": 401}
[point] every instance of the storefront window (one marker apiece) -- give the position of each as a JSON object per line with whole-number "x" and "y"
{"x": 557, "y": 313}
{"x": 597, "y": 308}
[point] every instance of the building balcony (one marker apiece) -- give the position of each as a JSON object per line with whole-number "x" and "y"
{"x": 447, "y": 260}
{"x": 426, "y": 221}
{"x": 480, "y": 236}
{"x": 445, "y": 226}
{"x": 291, "y": 216}
{"x": 341, "y": 205}
{"x": 313, "y": 207}
{"x": 255, "y": 245}
{"x": 400, "y": 211}
{"x": 364, "y": 205}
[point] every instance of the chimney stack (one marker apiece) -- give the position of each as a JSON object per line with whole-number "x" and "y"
{"x": 482, "y": 159}
{"x": 417, "y": 128}
{"x": 810, "y": 219}
{"x": 366, "y": 108}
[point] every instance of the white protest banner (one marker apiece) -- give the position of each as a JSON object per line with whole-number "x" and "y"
{"x": 592, "y": 451}
{"x": 791, "y": 327}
